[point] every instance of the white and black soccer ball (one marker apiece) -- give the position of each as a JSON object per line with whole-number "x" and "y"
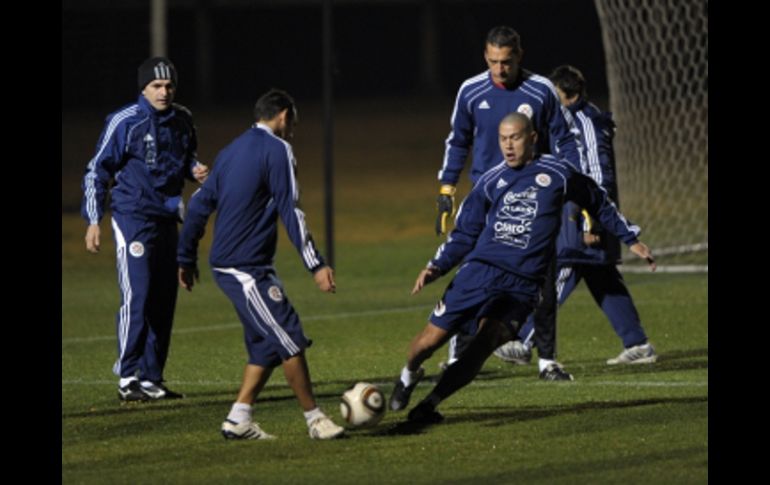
{"x": 362, "y": 405}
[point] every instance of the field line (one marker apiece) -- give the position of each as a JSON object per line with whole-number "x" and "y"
{"x": 229, "y": 326}
{"x": 387, "y": 385}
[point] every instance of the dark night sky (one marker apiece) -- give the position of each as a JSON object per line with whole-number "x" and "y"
{"x": 377, "y": 47}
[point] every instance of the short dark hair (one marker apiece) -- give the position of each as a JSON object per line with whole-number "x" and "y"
{"x": 570, "y": 80}
{"x": 504, "y": 36}
{"x": 270, "y": 104}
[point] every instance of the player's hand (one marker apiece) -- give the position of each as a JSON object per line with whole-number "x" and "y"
{"x": 446, "y": 207}
{"x": 92, "y": 238}
{"x": 641, "y": 250}
{"x": 188, "y": 277}
{"x": 324, "y": 278}
{"x": 591, "y": 240}
{"x": 426, "y": 276}
{"x": 200, "y": 172}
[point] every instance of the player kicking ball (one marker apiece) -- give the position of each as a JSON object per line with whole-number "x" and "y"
{"x": 504, "y": 236}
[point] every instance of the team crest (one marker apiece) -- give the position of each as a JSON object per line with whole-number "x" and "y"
{"x": 525, "y": 109}
{"x": 440, "y": 308}
{"x": 136, "y": 249}
{"x": 543, "y": 179}
{"x": 275, "y": 293}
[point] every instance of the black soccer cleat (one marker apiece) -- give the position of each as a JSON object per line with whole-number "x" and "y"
{"x": 555, "y": 372}
{"x": 425, "y": 413}
{"x": 132, "y": 392}
{"x": 401, "y": 393}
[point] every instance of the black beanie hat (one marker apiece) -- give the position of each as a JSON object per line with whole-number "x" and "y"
{"x": 156, "y": 68}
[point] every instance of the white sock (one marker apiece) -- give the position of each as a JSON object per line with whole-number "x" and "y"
{"x": 408, "y": 377}
{"x": 313, "y": 414}
{"x": 240, "y": 412}
{"x": 543, "y": 363}
{"x": 124, "y": 381}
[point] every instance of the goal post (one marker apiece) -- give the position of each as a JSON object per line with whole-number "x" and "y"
{"x": 657, "y": 73}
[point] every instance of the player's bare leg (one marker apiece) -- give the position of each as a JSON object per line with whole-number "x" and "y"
{"x": 491, "y": 334}
{"x": 422, "y": 347}
{"x": 424, "y": 344}
{"x": 239, "y": 424}
{"x": 298, "y": 377}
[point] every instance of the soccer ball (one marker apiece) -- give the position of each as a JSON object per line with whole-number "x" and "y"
{"x": 362, "y": 405}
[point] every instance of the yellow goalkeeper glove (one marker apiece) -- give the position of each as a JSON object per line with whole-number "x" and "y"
{"x": 446, "y": 207}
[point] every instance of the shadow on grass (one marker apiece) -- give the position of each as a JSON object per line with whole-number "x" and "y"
{"x": 495, "y": 416}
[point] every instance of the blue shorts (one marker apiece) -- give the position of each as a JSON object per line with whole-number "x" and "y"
{"x": 271, "y": 328}
{"x": 481, "y": 290}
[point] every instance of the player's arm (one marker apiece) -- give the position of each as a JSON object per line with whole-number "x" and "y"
{"x": 600, "y": 160}
{"x": 202, "y": 204}
{"x": 96, "y": 181}
{"x": 563, "y": 133}
{"x": 582, "y": 190}
{"x": 285, "y": 192}
{"x": 458, "y": 145}
{"x": 470, "y": 221}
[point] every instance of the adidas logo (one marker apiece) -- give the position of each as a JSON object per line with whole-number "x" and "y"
{"x": 501, "y": 183}
{"x": 484, "y": 105}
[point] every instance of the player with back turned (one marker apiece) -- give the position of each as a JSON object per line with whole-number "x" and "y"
{"x": 482, "y": 101}
{"x": 253, "y": 183}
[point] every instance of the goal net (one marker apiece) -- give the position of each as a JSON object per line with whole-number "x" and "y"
{"x": 657, "y": 73}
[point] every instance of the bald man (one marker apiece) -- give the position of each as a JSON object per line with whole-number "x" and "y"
{"x": 504, "y": 237}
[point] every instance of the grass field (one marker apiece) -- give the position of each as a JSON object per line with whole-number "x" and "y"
{"x": 642, "y": 424}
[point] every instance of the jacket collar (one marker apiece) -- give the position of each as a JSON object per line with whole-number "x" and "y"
{"x": 161, "y": 116}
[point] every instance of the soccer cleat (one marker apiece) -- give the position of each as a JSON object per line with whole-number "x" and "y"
{"x": 515, "y": 352}
{"x": 247, "y": 430}
{"x": 132, "y": 392}
{"x": 555, "y": 372}
{"x": 401, "y": 393}
{"x": 157, "y": 391}
{"x": 638, "y": 354}
{"x": 425, "y": 413}
{"x": 324, "y": 428}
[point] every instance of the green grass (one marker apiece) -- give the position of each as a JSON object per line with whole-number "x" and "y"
{"x": 641, "y": 424}
{"x": 628, "y": 424}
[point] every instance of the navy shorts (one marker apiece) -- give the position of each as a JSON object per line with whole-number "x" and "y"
{"x": 271, "y": 328}
{"x": 481, "y": 290}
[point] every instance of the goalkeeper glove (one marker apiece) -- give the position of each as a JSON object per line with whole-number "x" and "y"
{"x": 589, "y": 237}
{"x": 446, "y": 207}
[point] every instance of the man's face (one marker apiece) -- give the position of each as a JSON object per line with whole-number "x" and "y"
{"x": 160, "y": 93}
{"x": 503, "y": 63}
{"x": 516, "y": 144}
{"x": 286, "y": 123}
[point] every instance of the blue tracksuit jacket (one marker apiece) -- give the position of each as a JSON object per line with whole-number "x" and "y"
{"x": 148, "y": 154}
{"x": 479, "y": 107}
{"x": 253, "y": 181}
{"x": 512, "y": 216}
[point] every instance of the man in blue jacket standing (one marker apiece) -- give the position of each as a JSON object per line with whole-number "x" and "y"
{"x": 585, "y": 249}
{"x": 504, "y": 239}
{"x": 482, "y": 101}
{"x": 253, "y": 183}
{"x": 147, "y": 148}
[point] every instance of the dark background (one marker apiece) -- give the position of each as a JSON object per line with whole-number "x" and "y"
{"x": 260, "y": 44}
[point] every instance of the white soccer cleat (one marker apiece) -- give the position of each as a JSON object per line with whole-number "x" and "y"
{"x": 515, "y": 352}
{"x": 638, "y": 354}
{"x": 247, "y": 430}
{"x": 324, "y": 428}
